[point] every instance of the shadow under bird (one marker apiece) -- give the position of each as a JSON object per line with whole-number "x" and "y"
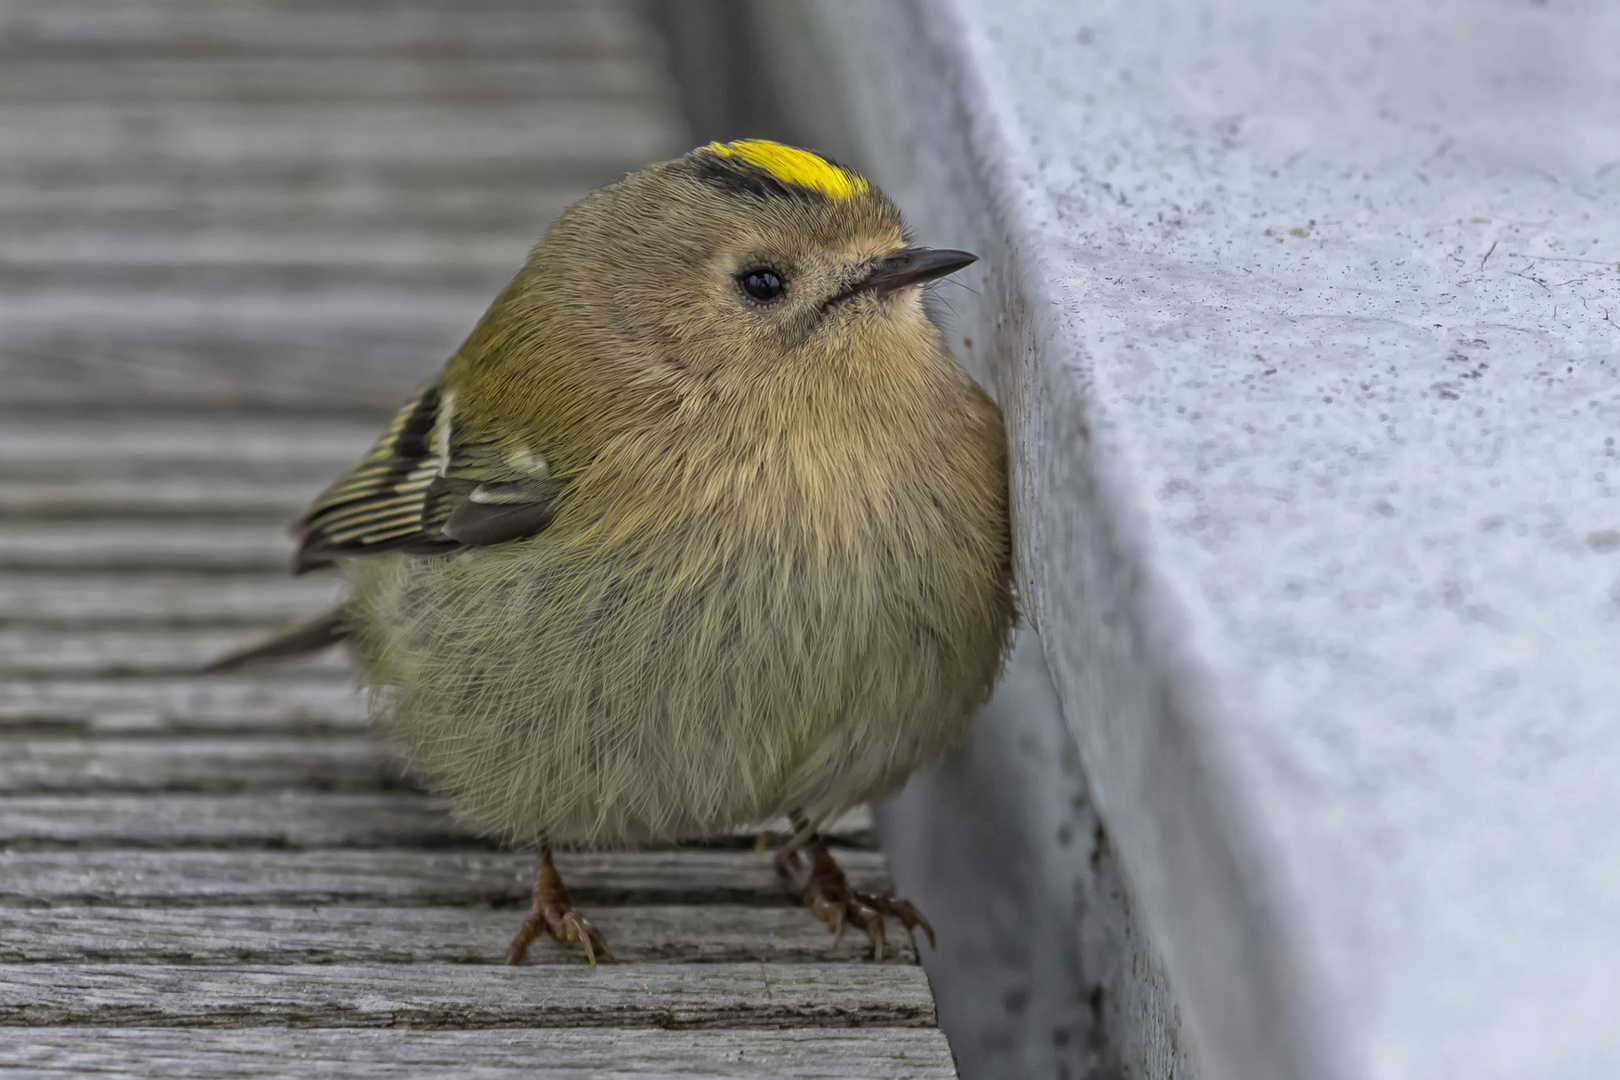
{"x": 702, "y": 525}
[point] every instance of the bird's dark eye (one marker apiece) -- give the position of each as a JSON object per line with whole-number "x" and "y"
{"x": 763, "y": 284}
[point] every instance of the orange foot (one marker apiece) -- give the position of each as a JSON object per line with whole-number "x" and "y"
{"x": 810, "y": 873}
{"x": 553, "y": 913}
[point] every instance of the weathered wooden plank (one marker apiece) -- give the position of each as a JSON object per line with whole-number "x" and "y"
{"x": 537, "y": 81}
{"x": 395, "y": 182}
{"x": 137, "y": 652}
{"x": 872, "y": 1053}
{"x": 143, "y": 440}
{"x": 354, "y": 299}
{"x": 468, "y": 996}
{"x": 423, "y": 878}
{"x": 164, "y": 496}
{"x": 183, "y": 30}
{"x": 284, "y": 819}
{"x": 596, "y": 134}
{"x": 333, "y": 348}
{"x": 243, "y": 371}
{"x": 226, "y": 246}
{"x": 511, "y": 202}
{"x": 367, "y": 355}
{"x": 275, "y": 702}
{"x": 293, "y": 257}
{"x": 142, "y": 545}
{"x": 213, "y": 765}
{"x": 89, "y": 600}
{"x": 712, "y": 933}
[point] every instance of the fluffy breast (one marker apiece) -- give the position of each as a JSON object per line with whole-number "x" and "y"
{"x": 791, "y": 627}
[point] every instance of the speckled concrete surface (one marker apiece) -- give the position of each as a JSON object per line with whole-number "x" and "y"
{"x": 1307, "y": 320}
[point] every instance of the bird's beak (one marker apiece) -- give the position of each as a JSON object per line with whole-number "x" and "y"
{"x": 912, "y": 266}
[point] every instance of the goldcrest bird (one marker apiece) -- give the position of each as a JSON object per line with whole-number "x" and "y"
{"x": 702, "y": 525}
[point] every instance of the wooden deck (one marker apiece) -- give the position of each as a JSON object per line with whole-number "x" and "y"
{"x": 231, "y": 236}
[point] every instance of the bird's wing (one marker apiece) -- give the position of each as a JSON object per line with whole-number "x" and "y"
{"x": 427, "y": 489}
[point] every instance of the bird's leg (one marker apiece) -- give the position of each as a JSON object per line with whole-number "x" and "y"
{"x": 811, "y": 874}
{"x": 552, "y": 912}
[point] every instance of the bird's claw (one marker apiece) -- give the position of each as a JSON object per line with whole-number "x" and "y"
{"x": 552, "y": 912}
{"x": 811, "y": 873}
{"x": 574, "y": 927}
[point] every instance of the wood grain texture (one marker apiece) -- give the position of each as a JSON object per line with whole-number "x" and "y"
{"x": 187, "y": 28}
{"x": 271, "y": 702}
{"x": 467, "y": 996}
{"x": 44, "y": 246}
{"x": 154, "y": 651}
{"x": 150, "y": 879}
{"x": 142, "y": 546}
{"x": 359, "y": 204}
{"x": 710, "y": 933}
{"x": 264, "y": 204}
{"x": 283, "y": 819}
{"x": 140, "y": 441}
{"x": 370, "y": 360}
{"x": 868, "y": 1053}
{"x": 595, "y": 134}
{"x": 208, "y": 498}
{"x": 218, "y": 764}
{"x": 99, "y": 600}
{"x": 279, "y": 80}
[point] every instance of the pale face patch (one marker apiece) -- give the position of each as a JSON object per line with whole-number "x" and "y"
{"x": 791, "y": 165}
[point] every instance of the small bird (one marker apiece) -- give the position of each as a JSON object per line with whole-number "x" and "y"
{"x": 701, "y": 526}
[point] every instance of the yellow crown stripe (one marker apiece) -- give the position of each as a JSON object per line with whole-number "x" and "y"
{"x": 791, "y": 165}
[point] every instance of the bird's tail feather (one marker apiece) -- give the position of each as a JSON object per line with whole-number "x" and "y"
{"x": 327, "y": 628}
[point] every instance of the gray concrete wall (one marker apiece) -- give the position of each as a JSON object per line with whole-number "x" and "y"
{"x": 1301, "y": 315}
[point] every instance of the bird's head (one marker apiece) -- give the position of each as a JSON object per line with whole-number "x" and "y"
{"x": 745, "y": 279}
{"x": 737, "y": 259}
